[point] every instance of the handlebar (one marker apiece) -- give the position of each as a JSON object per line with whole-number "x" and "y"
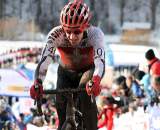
{"x": 38, "y": 102}
{"x": 66, "y": 90}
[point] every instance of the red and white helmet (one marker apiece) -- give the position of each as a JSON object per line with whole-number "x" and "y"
{"x": 75, "y": 14}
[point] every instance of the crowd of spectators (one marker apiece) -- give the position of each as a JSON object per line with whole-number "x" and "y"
{"x": 140, "y": 88}
{"x": 19, "y": 56}
{"x": 10, "y": 121}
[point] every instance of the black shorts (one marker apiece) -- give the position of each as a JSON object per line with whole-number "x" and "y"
{"x": 71, "y": 79}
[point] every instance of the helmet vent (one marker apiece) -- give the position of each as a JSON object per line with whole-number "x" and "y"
{"x": 72, "y": 13}
{"x": 66, "y": 19}
{"x": 76, "y": 20}
{"x": 79, "y": 11}
{"x": 82, "y": 19}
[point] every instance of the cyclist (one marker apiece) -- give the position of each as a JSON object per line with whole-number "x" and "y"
{"x": 81, "y": 49}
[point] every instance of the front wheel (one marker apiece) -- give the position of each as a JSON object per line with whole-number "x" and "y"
{"x": 67, "y": 126}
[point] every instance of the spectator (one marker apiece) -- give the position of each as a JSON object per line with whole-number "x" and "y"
{"x": 108, "y": 111}
{"x": 153, "y": 61}
{"x": 145, "y": 81}
{"x": 154, "y": 69}
{"x": 155, "y": 82}
{"x": 122, "y": 87}
{"x": 134, "y": 86}
{"x": 138, "y": 77}
{"x": 121, "y": 90}
{"x": 7, "y": 119}
{"x": 21, "y": 124}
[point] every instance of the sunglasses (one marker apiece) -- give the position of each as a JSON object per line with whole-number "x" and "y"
{"x": 76, "y": 32}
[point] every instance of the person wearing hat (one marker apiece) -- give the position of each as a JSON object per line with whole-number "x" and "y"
{"x": 155, "y": 78}
{"x": 151, "y": 60}
{"x": 154, "y": 69}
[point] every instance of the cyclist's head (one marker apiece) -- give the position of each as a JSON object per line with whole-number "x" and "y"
{"x": 75, "y": 15}
{"x": 150, "y": 55}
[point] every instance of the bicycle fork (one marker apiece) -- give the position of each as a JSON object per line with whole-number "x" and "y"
{"x": 71, "y": 111}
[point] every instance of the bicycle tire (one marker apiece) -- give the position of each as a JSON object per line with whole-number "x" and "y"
{"x": 68, "y": 90}
{"x": 67, "y": 126}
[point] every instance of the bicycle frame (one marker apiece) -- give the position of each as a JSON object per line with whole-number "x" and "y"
{"x": 71, "y": 110}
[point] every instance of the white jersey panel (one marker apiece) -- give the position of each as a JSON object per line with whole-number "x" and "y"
{"x": 96, "y": 39}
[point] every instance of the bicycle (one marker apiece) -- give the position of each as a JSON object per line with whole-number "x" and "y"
{"x": 74, "y": 118}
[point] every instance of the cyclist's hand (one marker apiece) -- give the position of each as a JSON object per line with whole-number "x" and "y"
{"x": 93, "y": 86}
{"x": 36, "y": 90}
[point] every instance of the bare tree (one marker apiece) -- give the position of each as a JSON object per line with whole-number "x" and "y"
{"x": 94, "y": 20}
{"x": 20, "y": 9}
{"x": 39, "y": 10}
{"x": 153, "y": 8}
{"x": 2, "y": 9}
{"x": 122, "y": 6}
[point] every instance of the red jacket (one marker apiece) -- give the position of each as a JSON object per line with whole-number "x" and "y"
{"x": 108, "y": 111}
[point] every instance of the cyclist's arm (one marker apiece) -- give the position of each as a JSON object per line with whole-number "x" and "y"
{"x": 46, "y": 58}
{"x": 99, "y": 57}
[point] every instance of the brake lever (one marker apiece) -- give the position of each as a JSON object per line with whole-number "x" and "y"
{"x": 38, "y": 102}
{"x": 39, "y": 105}
{"x": 90, "y": 84}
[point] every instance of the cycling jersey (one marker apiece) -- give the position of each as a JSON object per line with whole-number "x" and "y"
{"x": 75, "y": 58}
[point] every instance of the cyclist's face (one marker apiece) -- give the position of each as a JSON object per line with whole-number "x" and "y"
{"x": 74, "y": 36}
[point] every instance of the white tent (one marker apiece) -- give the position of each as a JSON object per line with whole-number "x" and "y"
{"x": 13, "y": 83}
{"x": 129, "y": 54}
